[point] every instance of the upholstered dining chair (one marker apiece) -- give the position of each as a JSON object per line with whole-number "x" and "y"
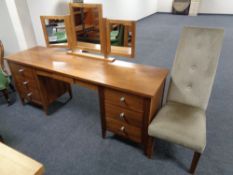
{"x": 182, "y": 119}
{"x": 5, "y": 79}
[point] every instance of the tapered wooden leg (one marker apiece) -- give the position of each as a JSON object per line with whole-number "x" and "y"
{"x": 103, "y": 133}
{"x": 102, "y": 111}
{"x": 195, "y": 160}
{"x": 46, "y": 109}
{"x": 5, "y": 93}
{"x": 149, "y": 149}
{"x": 12, "y": 87}
{"x": 22, "y": 100}
{"x": 11, "y": 84}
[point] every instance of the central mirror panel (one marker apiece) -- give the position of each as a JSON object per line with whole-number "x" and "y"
{"x": 87, "y": 26}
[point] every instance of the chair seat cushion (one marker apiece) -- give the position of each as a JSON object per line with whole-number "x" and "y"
{"x": 181, "y": 124}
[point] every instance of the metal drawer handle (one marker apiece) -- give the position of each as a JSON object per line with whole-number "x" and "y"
{"x": 29, "y": 94}
{"x": 21, "y": 70}
{"x": 122, "y": 129}
{"x": 122, "y": 116}
{"x": 122, "y": 99}
{"x": 25, "y": 82}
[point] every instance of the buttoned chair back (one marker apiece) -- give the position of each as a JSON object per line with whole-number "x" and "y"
{"x": 195, "y": 65}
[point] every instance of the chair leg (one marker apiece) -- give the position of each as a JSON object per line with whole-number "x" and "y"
{"x": 5, "y": 93}
{"x": 149, "y": 150}
{"x": 46, "y": 109}
{"x": 70, "y": 91}
{"x": 12, "y": 87}
{"x": 1, "y": 139}
{"x": 195, "y": 160}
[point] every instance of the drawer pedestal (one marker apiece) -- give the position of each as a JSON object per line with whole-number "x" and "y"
{"x": 37, "y": 89}
{"x": 128, "y": 115}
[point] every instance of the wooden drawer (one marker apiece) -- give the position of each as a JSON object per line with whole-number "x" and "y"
{"x": 31, "y": 95}
{"x": 123, "y": 129}
{"x": 124, "y": 115}
{"x": 124, "y": 100}
{"x": 21, "y": 71}
{"x": 26, "y": 83}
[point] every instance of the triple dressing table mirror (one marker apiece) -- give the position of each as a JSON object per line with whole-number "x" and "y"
{"x": 86, "y": 33}
{"x": 56, "y": 31}
{"x": 121, "y": 38}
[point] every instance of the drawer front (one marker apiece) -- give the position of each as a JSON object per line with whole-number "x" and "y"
{"x": 21, "y": 71}
{"x": 28, "y": 88}
{"x": 26, "y": 83}
{"x": 124, "y": 100}
{"x": 124, "y": 115}
{"x": 31, "y": 95}
{"x": 123, "y": 129}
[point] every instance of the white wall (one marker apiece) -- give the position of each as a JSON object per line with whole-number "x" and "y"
{"x": 115, "y": 9}
{"x": 206, "y": 6}
{"x": 38, "y": 8}
{"x": 127, "y": 9}
{"x": 7, "y": 33}
{"x": 16, "y": 32}
{"x": 25, "y": 22}
{"x": 164, "y": 5}
{"x": 216, "y": 6}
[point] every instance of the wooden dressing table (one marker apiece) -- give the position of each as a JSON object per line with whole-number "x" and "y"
{"x": 130, "y": 94}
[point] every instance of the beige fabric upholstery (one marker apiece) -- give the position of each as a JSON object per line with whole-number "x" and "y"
{"x": 182, "y": 120}
{"x": 195, "y": 65}
{"x": 180, "y": 124}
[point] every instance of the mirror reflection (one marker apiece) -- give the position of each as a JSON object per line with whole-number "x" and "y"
{"x": 56, "y": 31}
{"x": 86, "y": 21}
{"x": 121, "y": 38}
{"x": 120, "y": 35}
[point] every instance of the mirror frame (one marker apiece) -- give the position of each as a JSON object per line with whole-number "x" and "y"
{"x": 118, "y": 51}
{"x": 91, "y": 47}
{"x": 66, "y": 19}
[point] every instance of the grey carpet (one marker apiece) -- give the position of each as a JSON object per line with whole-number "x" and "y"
{"x": 68, "y": 142}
